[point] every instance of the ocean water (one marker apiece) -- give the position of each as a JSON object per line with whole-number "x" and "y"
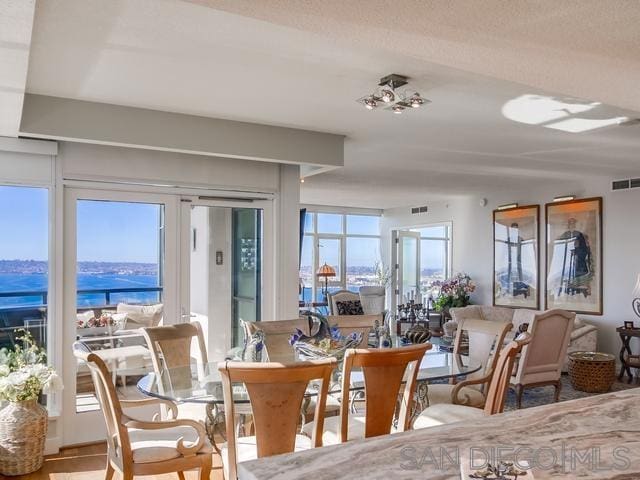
{"x": 10, "y": 282}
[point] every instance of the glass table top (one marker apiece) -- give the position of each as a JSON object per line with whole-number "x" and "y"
{"x": 201, "y": 383}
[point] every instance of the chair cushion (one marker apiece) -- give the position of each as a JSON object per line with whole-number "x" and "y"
{"x": 442, "y": 414}
{"x": 139, "y": 316}
{"x": 149, "y": 446}
{"x": 349, "y": 307}
{"x": 332, "y": 426}
{"x": 441, "y": 393}
{"x": 331, "y": 405}
{"x": 246, "y": 449}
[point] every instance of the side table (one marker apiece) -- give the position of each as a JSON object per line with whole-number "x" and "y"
{"x": 627, "y": 359}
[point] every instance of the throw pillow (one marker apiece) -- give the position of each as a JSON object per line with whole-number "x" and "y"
{"x": 350, "y": 307}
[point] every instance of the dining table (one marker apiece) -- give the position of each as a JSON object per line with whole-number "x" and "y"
{"x": 202, "y": 384}
{"x": 592, "y": 438}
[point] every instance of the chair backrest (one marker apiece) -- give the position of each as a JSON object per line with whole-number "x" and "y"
{"x": 170, "y": 347}
{"x": 340, "y": 296}
{"x": 482, "y": 312}
{"x": 372, "y": 298}
{"x": 384, "y": 370}
{"x": 276, "y": 392}
{"x": 485, "y": 338}
{"x": 499, "y": 385}
{"x": 543, "y": 358}
{"x": 117, "y": 434}
{"x": 348, "y": 324}
{"x": 276, "y": 336}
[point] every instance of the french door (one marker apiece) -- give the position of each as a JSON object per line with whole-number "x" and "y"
{"x": 120, "y": 248}
{"x": 407, "y": 265}
{"x": 223, "y": 267}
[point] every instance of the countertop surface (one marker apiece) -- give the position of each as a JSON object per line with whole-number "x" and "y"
{"x": 591, "y": 438}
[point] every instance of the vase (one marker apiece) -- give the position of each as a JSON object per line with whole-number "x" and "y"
{"x": 23, "y": 429}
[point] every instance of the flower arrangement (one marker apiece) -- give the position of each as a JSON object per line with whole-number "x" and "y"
{"x": 454, "y": 292}
{"x": 104, "y": 320}
{"x": 24, "y": 374}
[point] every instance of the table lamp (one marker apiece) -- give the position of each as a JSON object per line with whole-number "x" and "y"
{"x": 326, "y": 271}
{"x": 635, "y": 303}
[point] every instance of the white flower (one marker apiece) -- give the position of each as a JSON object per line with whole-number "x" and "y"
{"x": 4, "y": 370}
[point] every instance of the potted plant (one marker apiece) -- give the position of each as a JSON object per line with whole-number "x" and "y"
{"x": 24, "y": 377}
{"x": 454, "y": 292}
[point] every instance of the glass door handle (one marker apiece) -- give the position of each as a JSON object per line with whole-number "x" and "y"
{"x": 188, "y": 315}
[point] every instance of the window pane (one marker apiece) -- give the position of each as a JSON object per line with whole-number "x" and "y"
{"x": 308, "y": 222}
{"x": 433, "y": 261}
{"x": 24, "y": 257}
{"x": 306, "y": 269}
{"x": 329, "y": 223}
{"x": 329, "y": 252}
{"x": 363, "y": 225}
{"x": 362, "y": 256}
{"x": 437, "y": 231}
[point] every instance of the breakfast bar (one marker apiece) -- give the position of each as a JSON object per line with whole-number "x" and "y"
{"x": 592, "y": 438}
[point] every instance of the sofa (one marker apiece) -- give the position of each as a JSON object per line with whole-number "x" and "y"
{"x": 584, "y": 336}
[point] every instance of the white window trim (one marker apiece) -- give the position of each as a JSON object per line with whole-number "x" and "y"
{"x": 315, "y": 236}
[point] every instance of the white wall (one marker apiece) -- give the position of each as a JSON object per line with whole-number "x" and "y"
{"x": 472, "y": 240}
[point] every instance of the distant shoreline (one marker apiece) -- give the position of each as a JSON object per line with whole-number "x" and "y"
{"x": 40, "y": 267}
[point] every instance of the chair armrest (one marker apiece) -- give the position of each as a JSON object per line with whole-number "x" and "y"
{"x": 582, "y": 331}
{"x": 143, "y": 402}
{"x": 465, "y": 383}
{"x": 130, "y": 422}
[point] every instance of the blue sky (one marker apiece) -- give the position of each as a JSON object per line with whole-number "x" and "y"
{"x": 107, "y": 231}
{"x": 23, "y": 223}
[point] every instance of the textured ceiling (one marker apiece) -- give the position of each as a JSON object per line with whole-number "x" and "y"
{"x": 583, "y": 48}
{"x": 480, "y": 133}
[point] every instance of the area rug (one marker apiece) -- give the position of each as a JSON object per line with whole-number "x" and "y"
{"x": 534, "y": 397}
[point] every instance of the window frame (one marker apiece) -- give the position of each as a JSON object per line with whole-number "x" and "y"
{"x": 341, "y": 281}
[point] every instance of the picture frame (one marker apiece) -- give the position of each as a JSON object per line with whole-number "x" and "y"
{"x": 573, "y": 255}
{"x": 516, "y": 262}
{"x": 629, "y": 325}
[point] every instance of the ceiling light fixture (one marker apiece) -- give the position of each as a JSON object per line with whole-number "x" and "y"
{"x": 394, "y": 93}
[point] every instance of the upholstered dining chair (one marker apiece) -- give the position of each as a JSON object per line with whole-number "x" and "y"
{"x": 485, "y": 339}
{"x": 372, "y": 298}
{"x": 276, "y": 392}
{"x": 137, "y": 447}
{"x": 363, "y": 324}
{"x": 383, "y": 370}
{"x": 541, "y": 361}
{"x": 340, "y": 296}
{"x": 496, "y": 394}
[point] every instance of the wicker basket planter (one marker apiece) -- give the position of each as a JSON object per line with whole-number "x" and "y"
{"x": 592, "y": 372}
{"x": 23, "y": 429}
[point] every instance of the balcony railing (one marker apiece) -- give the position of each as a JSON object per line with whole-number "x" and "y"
{"x": 43, "y": 295}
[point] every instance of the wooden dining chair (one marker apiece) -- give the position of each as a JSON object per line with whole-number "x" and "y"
{"x": 137, "y": 447}
{"x": 485, "y": 339}
{"x": 383, "y": 371}
{"x": 276, "y": 392}
{"x": 362, "y": 324}
{"x": 276, "y": 336}
{"x": 170, "y": 348}
{"x": 496, "y": 394}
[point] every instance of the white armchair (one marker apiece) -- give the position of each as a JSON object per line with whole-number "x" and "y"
{"x": 372, "y": 299}
{"x": 340, "y": 296}
{"x": 540, "y": 362}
